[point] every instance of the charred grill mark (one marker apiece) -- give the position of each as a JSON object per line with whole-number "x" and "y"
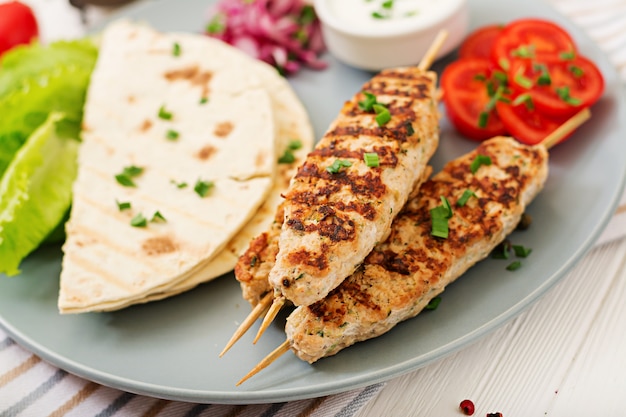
{"x": 312, "y": 259}
{"x": 329, "y": 224}
{"x": 367, "y": 186}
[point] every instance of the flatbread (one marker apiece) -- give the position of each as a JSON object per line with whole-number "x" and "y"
{"x": 222, "y": 130}
{"x": 292, "y": 123}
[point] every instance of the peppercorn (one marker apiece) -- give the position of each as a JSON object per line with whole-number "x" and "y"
{"x": 467, "y": 406}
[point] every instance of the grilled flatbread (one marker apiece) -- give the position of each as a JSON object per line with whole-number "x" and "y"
{"x": 292, "y": 124}
{"x": 186, "y": 113}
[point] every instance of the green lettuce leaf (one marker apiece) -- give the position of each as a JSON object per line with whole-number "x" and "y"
{"x": 37, "y": 80}
{"x": 35, "y": 192}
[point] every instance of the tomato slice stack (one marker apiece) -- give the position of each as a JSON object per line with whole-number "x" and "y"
{"x": 524, "y": 79}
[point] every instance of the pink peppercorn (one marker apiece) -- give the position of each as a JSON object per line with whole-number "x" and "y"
{"x": 467, "y": 406}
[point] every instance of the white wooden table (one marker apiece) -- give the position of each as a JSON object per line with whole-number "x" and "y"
{"x": 565, "y": 356}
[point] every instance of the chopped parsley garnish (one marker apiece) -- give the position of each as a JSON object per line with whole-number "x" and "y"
{"x": 382, "y": 114}
{"x": 139, "y": 221}
{"x": 125, "y": 178}
{"x": 337, "y": 165}
{"x": 567, "y": 56}
{"x": 502, "y": 250}
{"x": 433, "y": 304}
{"x": 157, "y": 217}
{"x": 123, "y": 205}
{"x": 564, "y": 94}
{"x": 202, "y": 188}
{"x": 465, "y": 197}
{"x": 172, "y": 134}
{"x": 176, "y": 49}
{"x": 478, "y": 161}
{"x": 204, "y": 100}
{"x": 483, "y": 119}
{"x": 513, "y": 266}
{"x": 371, "y": 159}
{"x": 387, "y": 4}
{"x": 164, "y": 114}
{"x": 439, "y": 219}
{"x": 294, "y": 144}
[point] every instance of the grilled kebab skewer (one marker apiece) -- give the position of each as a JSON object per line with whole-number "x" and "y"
{"x": 402, "y": 274}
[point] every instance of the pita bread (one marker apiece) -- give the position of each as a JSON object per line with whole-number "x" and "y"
{"x": 228, "y": 140}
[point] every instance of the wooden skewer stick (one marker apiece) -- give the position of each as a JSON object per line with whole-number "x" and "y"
{"x": 550, "y": 140}
{"x": 567, "y": 127}
{"x": 260, "y": 309}
{"x": 433, "y": 50}
{"x": 277, "y": 353}
{"x": 278, "y": 303}
{"x": 424, "y": 64}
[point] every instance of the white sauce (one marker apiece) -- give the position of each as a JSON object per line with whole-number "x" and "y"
{"x": 360, "y": 13}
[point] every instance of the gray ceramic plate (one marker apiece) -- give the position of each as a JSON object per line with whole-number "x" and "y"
{"x": 169, "y": 349}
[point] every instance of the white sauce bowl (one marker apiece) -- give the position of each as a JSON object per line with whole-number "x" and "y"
{"x": 402, "y": 38}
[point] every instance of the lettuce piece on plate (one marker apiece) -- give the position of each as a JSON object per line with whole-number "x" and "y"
{"x": 35, "y": 192}
{"x": 37, "y": 80}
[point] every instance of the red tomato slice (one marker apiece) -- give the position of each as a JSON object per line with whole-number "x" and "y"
{"x": 466, "y": 98}
{"x": 531, "y": 39}
{"x": 528, "y": 126}
{"x": 573, "y": 84}
{"x": 479, "y": 43}
{"x": 17, "y": 25}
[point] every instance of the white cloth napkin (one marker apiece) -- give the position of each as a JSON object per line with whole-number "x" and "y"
{"x": 31, "y": 387}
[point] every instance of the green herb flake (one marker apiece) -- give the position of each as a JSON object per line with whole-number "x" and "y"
{"x": 371, "y": 159}
{"x": 172, "y": 134}
{"x": 125, "y": 180}
{"x": 513, "y": 266}
{"x": 387, "y": 4}
{"x": 337, "y": 165}
{"x": 382, "y": 114}
{"x": 123, "y": 205}
{"x": 378, "y": 15}
{"x": 502, "y": 250}
{"x": 523, "y": 81}
{"x": 433, "y": 304}
{"x": 139, "y": 221}
{"x": 564, "y": 94}
{"x": 465, "y": 197}
{"x": 521, "y": 251}
{"x": 368, "y": 103}
{"x": 179, "y": 184}
{"x": 294, "y": 144}
{"x": 576, "y": 71}
{"x": 567, "y": 56}
{"x": 409, "y": 129}
{"x": 216, "y": 25}
{"x": 525, "y": 99}
{"x": 202, "y": 188}
{"x": 480, "y": 77}
{"x": 478, "y": 161}
{"x": 164, "y": 114}
{"x": 287, "y": 157}
{"x": 157, "y": 217}
{"x": 524, "y": 51}
{"x": 204, "y": 100}
{"x": 439, "y": 219}
{"x": 176, "y": 49}
{"x": 125, "y": 177}
{"x": 504, "y": 64}
{"x": 483, "y": 119}
{"x": 253, "y": 261}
